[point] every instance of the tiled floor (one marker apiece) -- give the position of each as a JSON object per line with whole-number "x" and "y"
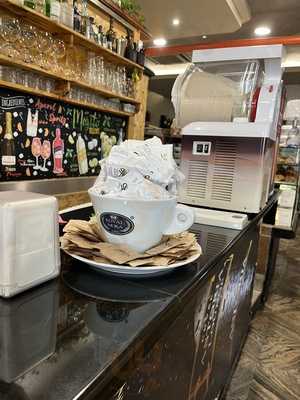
{"x": 269, "y": 368}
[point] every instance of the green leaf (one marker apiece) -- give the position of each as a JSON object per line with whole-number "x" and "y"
{"x": 133, "y": 8}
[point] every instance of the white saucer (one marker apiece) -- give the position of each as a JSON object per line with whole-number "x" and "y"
{"x": 135, "y": 272}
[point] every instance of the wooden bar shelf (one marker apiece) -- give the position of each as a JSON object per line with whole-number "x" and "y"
{"x": 82, "y": 49}
{"x": 45, "y": 23}
{"x": 12, "y": 62}
{"x": 104, "y": 92}
{"x": 50, "y": 95}
{"x": 4, "y": 60}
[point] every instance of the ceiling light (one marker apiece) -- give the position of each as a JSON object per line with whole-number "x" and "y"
{"x": 160, "y": 42}
{"x": 262, "y": 31}
{"x": 176, "y": 21}
{"x": 204, "y": 37}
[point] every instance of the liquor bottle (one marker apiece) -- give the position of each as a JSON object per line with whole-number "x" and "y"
{"x": 111, "y": 36}
{"x": 55, "y": 10}
{"x": 81, "y": 156}
{"x": 30, "y": 4}
{"x": 135, "y": 53}
{"x": 85, "y": 19}
{"x": 47, "y": 10}
{"x": 63, "y": 12}
{"x": 104, "y": 40}
{"x": 121, "y": 46}
{"x": 92, "y": 31}
{"x": 130, "y": 52}
{"x": 69, "y": 15}
{"x": 40, "y": 6}
{"x": 8, "y": 157}
{"x": 77, "y": 17}
{"x": 58, "y": 152}
{"x": 141, "y": 54}
{"x": 100, "y": 35}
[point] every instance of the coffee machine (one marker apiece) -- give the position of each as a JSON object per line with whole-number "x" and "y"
{"x": 229, "y": 105}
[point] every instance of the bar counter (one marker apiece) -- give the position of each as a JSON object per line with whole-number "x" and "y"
{"x": 93, "y": 336}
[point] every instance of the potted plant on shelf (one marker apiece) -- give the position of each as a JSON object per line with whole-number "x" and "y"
{"x": 132, "y": 7}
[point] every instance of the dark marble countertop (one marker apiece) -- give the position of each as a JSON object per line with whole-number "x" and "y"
{"x": 61, "y": 340}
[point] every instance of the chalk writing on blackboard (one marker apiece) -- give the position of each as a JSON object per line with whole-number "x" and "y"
{"x": 51, "y": 139}
{"x": 12, "y": 102}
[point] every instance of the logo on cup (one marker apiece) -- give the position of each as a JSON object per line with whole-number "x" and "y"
{"x": 116, "y": 224}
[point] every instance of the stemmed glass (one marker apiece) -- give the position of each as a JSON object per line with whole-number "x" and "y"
{"x": 45, "y": 42}
{"x": 58, "y": 53}
{"x": 76, "y": 64}
{"x": 29, "y": 39}
{"x": 45, "y": 153}
{"x": 10, "y": 33}
{"x": 73, "y": 68}
{"x": 36, "y": 149}
{"x": 24, "y": 41}
{"x": 3, "y": 42}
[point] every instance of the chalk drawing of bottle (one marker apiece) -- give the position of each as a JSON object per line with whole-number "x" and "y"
{"x": 58, "y": 152}
{"x": 32, "y": 123}
{"x": 81, "y": 156}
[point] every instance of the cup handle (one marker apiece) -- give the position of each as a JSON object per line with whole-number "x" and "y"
{"x": 182, "y": 221}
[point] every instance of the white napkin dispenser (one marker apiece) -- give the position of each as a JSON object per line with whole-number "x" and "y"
{"x": 29, "y": 241}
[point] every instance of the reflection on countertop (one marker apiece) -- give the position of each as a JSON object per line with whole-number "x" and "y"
{"x": 28, "y": 329}
{"x": 99, "y": 318}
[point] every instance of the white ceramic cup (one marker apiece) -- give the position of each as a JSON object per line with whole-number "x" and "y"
{"x": 140, "y": 224}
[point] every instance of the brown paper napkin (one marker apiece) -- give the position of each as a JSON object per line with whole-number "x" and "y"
{"x": 85, "y": 239}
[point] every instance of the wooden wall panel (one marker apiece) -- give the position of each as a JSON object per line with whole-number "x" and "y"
{"x": 136, "y": 126}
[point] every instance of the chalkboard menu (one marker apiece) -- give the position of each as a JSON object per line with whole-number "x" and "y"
{"x": 41, "y": 138}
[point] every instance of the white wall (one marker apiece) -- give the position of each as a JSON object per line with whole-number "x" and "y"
{"x": 159, "y": 105}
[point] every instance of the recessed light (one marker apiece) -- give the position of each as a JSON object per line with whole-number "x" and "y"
{"x": 160, "y": 42}
{"x": 262, "y": 31}
{"x": 204, "y": 37}
{"x": 176, "y": 22}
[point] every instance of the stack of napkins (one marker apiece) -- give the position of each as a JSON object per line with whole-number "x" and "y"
{"x": 84, "y": 238}
{"x": 139, "y": 170}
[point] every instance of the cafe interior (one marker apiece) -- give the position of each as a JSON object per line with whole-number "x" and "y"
{"x": 149, "y": 200}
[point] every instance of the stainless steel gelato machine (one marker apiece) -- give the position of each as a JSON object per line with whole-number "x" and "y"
{"x": 229, "y": 105}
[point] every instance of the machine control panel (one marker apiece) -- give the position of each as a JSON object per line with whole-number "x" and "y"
{"x": 201, "y": 148}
